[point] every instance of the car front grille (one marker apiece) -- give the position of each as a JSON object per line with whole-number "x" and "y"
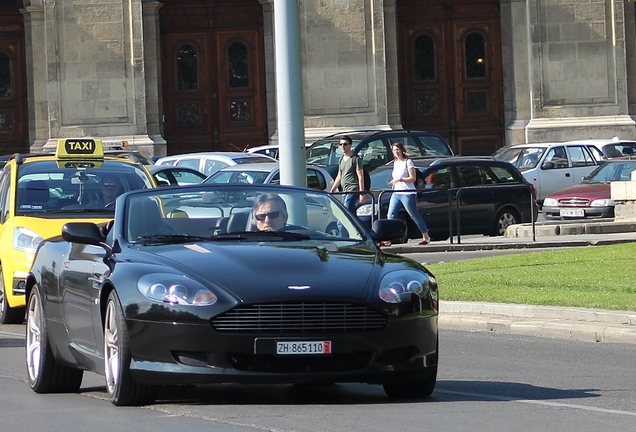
{"x": 575, "y": 202}
{"x": 300, "y": 318}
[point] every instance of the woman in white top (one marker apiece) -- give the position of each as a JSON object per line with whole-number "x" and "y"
{"x": 404, "y": 178}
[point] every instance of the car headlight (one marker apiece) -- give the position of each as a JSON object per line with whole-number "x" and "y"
{"x": 399, "y": 286}
{"x": 26, "y": 240}
{"x": 364, "y": 210}
{"x": 175, "y": 289}
{"x": 602, "y": 203}
{"x": 550, "y": 202}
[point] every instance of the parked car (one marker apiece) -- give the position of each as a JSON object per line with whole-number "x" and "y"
{"x": 210, "y": 162}
{"x": 613, "y": 147}
{"x": 155, "y": 300}
{"x": 551, "y": 166}
{"x": 592, "y": 197}
{"x": 168, "y": 175}
{"x": 374, "y": 147}
{"x": 490, "y": 195}
{"x": 268, "y": 173}
{"x": 42, "y": 192}
{"x": 271, "y": 150}
{"x": 133, "y": 155}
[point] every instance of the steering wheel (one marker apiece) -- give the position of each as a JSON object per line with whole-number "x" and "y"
{"x": 292, "y": 228}
{"x": 110, "y": 205}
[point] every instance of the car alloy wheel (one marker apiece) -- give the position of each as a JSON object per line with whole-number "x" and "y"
{"x": 122, "y": 388}
{"x": 504, "y": 219}
{"x": 45, "y": 375}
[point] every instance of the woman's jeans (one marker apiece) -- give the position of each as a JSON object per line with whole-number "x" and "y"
{"x": 409, "y": 201}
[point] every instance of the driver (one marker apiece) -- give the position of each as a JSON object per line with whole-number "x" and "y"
{"x": 269, "y": 212}
{"x": 110, "y": 188}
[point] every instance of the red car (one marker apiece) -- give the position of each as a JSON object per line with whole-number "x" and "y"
{"x": 591, "y": 198}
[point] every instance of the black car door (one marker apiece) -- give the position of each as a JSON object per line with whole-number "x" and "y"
{"x": 476, "y": 203}
{"x": 80, "y": 289}
{"x": 433, "y": 201}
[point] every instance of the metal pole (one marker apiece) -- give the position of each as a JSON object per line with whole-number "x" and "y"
{"x": 289, "y": 94}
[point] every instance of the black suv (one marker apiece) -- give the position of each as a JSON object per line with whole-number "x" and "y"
{"x": 374, "y": 147}
{"x": 490, "y": 195}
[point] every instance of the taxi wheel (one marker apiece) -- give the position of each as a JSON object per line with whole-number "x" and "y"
{"x": 9, "y": 315}
{"x": 416, "y": 389}
{"x": 44, "y": 373}
{"x": 122, "y": 388}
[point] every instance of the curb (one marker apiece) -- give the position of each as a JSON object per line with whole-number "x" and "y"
{"x": 592, "y": 325}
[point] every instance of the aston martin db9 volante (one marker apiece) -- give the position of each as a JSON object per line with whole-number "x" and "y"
{"x": 243, "y": 284}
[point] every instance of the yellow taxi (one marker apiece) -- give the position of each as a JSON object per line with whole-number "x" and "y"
{"x": 40, "y": 193}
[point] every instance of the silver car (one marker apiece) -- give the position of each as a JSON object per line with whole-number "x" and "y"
{"x": 551, "y": 166}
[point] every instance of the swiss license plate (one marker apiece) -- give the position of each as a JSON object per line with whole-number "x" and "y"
{"x": 303, "y": 347}
{"x": 572, "y": 213}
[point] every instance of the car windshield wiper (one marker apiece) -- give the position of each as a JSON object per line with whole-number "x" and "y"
{"x": 169, "y": 238}
{"x": 261, "y": 235}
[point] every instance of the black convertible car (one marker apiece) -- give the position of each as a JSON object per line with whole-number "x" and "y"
{"x": 229, "y": 284}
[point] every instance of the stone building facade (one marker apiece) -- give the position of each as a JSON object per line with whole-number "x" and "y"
{"x": 483, "y": 73}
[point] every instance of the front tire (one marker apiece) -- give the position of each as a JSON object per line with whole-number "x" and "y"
{"x": 122, "y": 389}
{"x": 45, "y": 375}
{"x": 416, "y": 389}
{"x": 8, "y": 315}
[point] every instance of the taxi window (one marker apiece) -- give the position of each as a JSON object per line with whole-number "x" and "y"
{"x": 5, "y": 198}
{"x": 45, "y": 186}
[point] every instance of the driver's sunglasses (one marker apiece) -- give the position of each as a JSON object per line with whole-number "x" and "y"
{"x": 344, "y": 143}
{"x": 271, "y": 215}
{"x": 109, "y": 184}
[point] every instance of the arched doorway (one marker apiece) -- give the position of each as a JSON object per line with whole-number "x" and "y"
{"x": 13, "y": 83}
{"x": 213, "y": 75}
{"x": 450, "y": 71}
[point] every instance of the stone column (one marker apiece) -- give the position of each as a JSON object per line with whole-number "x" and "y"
{"x": 94, "y": 72}
{"x": 35, "y": 47}
{"x": 270, "y": 69}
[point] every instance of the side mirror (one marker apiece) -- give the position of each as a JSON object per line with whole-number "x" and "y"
{"x": 388, "y": 229}
{"x": 548, "y": 165}
{"x": 85, "y": 233}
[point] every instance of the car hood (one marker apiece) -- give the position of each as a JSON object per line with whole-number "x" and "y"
{"x": 256, "y": 272}
{"x": 584, "y": 190}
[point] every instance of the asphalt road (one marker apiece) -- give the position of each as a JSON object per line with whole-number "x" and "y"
{"x": 487, "y": 381}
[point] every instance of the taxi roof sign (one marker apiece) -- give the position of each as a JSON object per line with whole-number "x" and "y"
{"x": 79, "y": 148}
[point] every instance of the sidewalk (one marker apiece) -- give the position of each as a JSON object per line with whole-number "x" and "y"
{"x": 571, "y": 323}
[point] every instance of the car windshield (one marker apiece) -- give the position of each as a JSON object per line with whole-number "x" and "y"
{"x": 233, "y": 176}
{"x": 242, "y": 213}
{"x": 612, "y": 171}
{"x": 524, "y": 158}
{"x": 327, "y": 151}
{"x": 620, "y": 149}
{"x": 46, "y": 187}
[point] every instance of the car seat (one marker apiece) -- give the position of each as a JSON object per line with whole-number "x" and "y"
{"x": 237, "y": 222}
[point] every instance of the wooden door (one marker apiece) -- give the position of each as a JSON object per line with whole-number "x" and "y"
{"x": 213, "y": 75}
{"x": 190, "y": 122}
{"x": 13, "y": 87}
{"x": 450, "y": 71}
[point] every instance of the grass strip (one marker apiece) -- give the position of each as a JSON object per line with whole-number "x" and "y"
{"x": 602, "y": 277}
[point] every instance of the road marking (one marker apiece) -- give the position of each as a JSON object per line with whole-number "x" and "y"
{"x": 538, "y": 402}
